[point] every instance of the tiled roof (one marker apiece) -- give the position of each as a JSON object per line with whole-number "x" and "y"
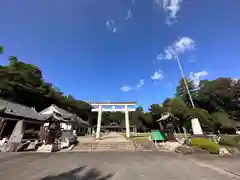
{"x": 71, "y": 115}
{"x": 16, "y": 109}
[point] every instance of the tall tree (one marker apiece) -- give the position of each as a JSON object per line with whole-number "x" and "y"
{"x": 181, "y": 91}
{"x": 155, "y": 109}
{"x": 215, "y": 95}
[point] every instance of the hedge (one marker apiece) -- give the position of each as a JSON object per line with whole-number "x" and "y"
{"x": 228, "y": 141}
{"x": 205, "y": 144}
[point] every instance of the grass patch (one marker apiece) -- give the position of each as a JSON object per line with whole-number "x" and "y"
{"x": 146, "y": 134}
{"x": 140, "y": 139}
{"x": 230, "y": 141}
{"x": 205, "y": 144}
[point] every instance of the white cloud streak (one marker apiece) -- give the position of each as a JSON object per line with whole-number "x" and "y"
{"x": 129, "y": 15}
{"x": 177, "y": 48}
{"x": 111, "y": 25}
{"x": 126, "y": 88}
{"x": 141, "y": 83}
{"x": 195, "y": 77}
{"x": 158, "y": 75}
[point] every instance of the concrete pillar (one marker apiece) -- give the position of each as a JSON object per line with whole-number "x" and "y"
{"x": 127, "y": 122}
{"x": 196, "y": 127}
{"x": 99, "y": 122}
{"x": 16, "y": 137}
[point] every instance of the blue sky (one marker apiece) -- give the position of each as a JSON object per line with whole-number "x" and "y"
{"x": 90, "y": 49}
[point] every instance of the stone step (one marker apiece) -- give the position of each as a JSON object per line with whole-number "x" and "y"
{"x": 105, "y": 147}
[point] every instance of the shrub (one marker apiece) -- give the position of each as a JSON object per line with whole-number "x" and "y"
{"x": 228, "y": 141}
{"x": 206, "y": 144}
{"x": 237, "y": 137}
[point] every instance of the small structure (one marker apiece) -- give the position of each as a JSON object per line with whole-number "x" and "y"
{"x": 69, "y": 121}
{"x": 16, "y": 123}
{"x": 167, "y": 123}
{"x": 100, "y": 108}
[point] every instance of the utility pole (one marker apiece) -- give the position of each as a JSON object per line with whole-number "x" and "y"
{"x": 196, "y": 127}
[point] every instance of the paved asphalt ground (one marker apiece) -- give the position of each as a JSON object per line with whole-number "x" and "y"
{"x": 110, "y": 165}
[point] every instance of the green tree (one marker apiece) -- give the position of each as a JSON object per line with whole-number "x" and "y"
{"x": 156, "y": 109}
{"x": 222, "y": 119}
{"x": 176, "y": 106}
{"x": 181, "y": 91}
{"x": 216, "y": 95}
{"x": 24, "y": 84}
{"x": 1, "y": 49}
{"x": 202, "y": 115}
{"x": 139, "y": 109}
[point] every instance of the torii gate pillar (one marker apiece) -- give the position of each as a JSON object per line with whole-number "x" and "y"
{"x": 99, "y": 121}
{"x": 127, "y": 122}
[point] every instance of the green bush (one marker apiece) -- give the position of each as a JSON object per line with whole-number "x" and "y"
{"x": 206, "y": 144}
{"x": 237, "y": 137}
{"x": 228, "y": 141}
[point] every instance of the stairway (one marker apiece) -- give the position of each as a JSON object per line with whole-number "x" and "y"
{"x": 97, "y": 147}
{"x": 140, "y": 147}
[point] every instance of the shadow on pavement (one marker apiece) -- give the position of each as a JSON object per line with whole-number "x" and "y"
{"x": 92, "y": 174}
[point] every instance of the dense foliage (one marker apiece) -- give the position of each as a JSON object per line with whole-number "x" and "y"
{"x": 216, "y": 101}
{"x": 24, "y": 83}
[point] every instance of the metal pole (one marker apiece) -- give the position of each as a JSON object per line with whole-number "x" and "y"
{"x": 196, "y": 127}
{"x": 185, "y": 81}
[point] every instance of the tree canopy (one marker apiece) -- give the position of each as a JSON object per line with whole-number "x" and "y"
{"x": 24, "y": 83}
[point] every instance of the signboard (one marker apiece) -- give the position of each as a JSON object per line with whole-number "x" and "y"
{"x": 157, "y": 135}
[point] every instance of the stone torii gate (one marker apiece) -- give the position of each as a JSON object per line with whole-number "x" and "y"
{"x": 100, "y": 108}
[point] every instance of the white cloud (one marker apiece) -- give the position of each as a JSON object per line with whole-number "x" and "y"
{"x": 126, "y": 88}
{"x": 177, "y": 48}
{"x": 141, "y": 83}
{"x": 184, "y": 44}
{"x": 111, "y": 25}
{"x": 129, "y": 15}
{"x": 171, "y": 7}
{"x": 160, "y": 56}
{"x": 195, "y": 77}
{"x": 158, "y": 75}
